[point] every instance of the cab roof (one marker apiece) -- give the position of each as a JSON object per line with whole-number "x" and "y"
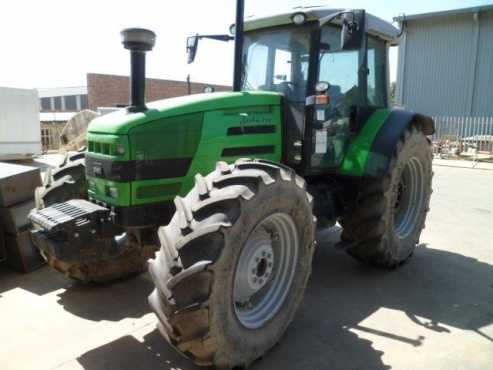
{"x": 375, "y": 25}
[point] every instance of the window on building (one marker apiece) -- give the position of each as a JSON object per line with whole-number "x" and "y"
{"x": 58, "y": 103}
{"x": 83, "y": 102}
{"x": 45, "y": 103}
{"x": 70, "y": 102}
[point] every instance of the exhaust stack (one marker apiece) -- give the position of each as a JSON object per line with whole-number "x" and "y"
{"x": 138, "y": 41}
{"x": 238, "y": 63}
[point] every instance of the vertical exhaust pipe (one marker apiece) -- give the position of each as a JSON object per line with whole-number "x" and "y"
{"x": 138, "y": 41}
{"x": 238, "y": 67}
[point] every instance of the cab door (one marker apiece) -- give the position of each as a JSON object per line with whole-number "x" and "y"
{"x": 340, "y": 69}
{"x": 357, "y": 86}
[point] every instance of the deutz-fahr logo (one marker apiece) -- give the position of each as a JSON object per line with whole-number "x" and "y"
{"x": 255, "y": 119}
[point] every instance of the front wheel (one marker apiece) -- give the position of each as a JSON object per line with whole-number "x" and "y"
{"x": 234, "y": 262}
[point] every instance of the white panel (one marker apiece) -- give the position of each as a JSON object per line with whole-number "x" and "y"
{"x": 20, "y": 131}
{"x": 439, "y": 71}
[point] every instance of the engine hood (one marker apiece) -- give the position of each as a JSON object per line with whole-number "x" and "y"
{"x": 120, "y": 122}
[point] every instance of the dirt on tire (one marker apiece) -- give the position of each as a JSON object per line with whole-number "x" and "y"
{"x": 193, "y": 271}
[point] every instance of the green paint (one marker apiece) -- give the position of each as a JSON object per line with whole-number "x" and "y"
{"x": 121, "y": 122}
{"x": 153, "y": 191}
{"x": 158, "y": 191}
{"x": 193, "y": 126}
{"x": 214, "y": 138}
{"x": 97, "y": 143}
{"x": 359, "y": 150}
{"x": 98, "y": 189}
{"x": 171, "y": 137}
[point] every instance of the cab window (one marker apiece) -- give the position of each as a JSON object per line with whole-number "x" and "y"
{"x": 340, "y": 69}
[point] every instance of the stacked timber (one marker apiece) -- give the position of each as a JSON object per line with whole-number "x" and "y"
{"x": 17, "y": 185}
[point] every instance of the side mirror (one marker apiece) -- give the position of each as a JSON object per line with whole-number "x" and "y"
{"x": 192, "y": 43}
{"x": 353, "y": 30}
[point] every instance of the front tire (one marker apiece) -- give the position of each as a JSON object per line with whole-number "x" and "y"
{"x": 234, "y": 263}
{"x": 385, "y": 223}
{"x": 112, "y": 260}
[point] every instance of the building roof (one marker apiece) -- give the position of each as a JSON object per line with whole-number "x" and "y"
{"x": 8, "y": 89}
{"x": 474, "y": 9}
{"x": 376, "y": 26}
{"x": 62, "y": 91}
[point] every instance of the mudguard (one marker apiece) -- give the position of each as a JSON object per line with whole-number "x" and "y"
{"x": 371, "y": 150}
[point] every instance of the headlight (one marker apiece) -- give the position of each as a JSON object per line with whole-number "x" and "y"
{"x": 322, "y": 86}
{"x": 298, "y": 18}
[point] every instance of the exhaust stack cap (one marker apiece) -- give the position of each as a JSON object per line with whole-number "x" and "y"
{"x": 138, "y": 39}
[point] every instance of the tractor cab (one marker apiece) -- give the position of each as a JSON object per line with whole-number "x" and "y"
{"x": 329, "y": 65}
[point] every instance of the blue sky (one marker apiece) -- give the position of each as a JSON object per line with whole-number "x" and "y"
{"x": 54, "y": 43}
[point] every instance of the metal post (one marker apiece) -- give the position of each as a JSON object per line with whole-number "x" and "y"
{"x": 189, "y": 87}
{"x": 238, "y": 62}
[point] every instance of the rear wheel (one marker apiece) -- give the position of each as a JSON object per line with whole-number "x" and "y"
{"x": 384, "y": 226}
{"x": 234, "y": 262}
{"x": 111, "y": 259}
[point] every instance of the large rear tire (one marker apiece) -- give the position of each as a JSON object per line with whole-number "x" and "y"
{"x": 111, "y": 259}
{"x": 234, "y": 263}
{"x": 384, "y": 225}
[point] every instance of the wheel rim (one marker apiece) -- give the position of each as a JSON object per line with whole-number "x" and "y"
{"x": 265, "y": 270}
{"x": 409, "y": 198}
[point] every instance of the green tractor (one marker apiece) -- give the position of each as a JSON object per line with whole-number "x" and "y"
{"x": 228, "y": 187}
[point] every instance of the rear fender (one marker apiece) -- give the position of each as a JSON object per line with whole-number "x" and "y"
{"x": 383, "y": 147}
{"x": 371, "y": 157}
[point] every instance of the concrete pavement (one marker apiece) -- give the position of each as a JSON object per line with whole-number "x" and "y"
{"x": 436, "y": 312}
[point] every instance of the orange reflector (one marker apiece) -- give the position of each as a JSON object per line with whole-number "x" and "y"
{"x": 321, "y": 99}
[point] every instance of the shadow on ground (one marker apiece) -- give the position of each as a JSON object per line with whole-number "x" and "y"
{"x": 112, "y": 302}
{"x": 127, "y": 353}
{"x": 40, "y": 282}
{"x": 444, "y": 288}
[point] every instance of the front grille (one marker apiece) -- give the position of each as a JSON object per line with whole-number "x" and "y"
{"x": 101, "y": 148}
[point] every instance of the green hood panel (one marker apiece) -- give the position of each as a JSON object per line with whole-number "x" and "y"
{"x": 119, "y": 123}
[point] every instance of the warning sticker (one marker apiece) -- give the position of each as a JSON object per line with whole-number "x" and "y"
{"x": 320, "y": 141}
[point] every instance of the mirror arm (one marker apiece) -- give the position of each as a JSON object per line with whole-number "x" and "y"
{"x": 216, "y": 37}
{"x": 323, "y": 21}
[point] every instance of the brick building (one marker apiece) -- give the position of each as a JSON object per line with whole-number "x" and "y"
{"x": 58, "y": 105}
{"x": 104, "y": 90}
{"x": 111, "y": 90}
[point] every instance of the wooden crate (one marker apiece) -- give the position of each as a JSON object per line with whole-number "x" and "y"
{"x": 22, "y": 255}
